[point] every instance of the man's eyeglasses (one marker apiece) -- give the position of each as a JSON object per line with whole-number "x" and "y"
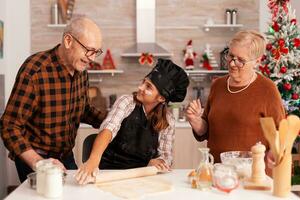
{"x": 88, "y": 51}
{"x": 237, "y": 62}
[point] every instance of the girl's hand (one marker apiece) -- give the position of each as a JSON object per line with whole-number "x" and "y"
{"x": 159, "y": 164}
{"x": 87, "y": 172}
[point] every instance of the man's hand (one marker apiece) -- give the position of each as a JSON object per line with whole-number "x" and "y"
{"x": 30, "y": 157}
{"x": 159, "y": 164}
{"x": 87, "y": 172}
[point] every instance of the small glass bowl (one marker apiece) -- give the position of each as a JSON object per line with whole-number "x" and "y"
{"x": 31, "y": 178}
{"x": 242, "y": 160}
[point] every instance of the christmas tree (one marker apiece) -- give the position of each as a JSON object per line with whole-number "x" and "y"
{"x": 281, "y": 63}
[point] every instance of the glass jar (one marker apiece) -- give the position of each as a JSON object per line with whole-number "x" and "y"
{"x": 225, "y": 177}
{"x": 41, "y": 168}
{"x": 204, "y": 172}
{"x": 53, "y": 182}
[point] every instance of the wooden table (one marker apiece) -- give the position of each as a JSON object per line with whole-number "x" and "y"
{"x": 181, "y": 190}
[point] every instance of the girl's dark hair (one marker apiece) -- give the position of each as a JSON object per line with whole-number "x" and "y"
{"x": 157, "y": 117}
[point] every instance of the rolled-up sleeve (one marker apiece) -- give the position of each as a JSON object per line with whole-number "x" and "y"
{"x": 120, "y": 110}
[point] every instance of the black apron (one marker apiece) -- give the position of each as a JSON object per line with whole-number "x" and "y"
{"x": 135, "y": 144}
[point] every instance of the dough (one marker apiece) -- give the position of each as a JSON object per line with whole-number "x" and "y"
{"x": 137, "y": 187}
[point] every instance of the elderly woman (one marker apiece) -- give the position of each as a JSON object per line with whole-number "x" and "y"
{"x": 230, "y": 120}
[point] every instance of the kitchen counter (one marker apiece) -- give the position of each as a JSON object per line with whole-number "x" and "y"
{"x": 180, "y": 190}
{"x": 178, "y": 124}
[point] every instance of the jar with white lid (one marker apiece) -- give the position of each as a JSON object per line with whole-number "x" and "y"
{"x": 41, "y": 168}
{"x": 53, "y": 182}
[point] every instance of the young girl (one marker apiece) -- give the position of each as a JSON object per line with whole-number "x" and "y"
{"x": 139, "y": 131}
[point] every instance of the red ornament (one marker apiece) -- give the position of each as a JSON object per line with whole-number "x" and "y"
{"x": 296, "y": 42}
{"x": 263, "y": 58}
{"x": 146, "y": 58}
{"x": 269, "y": 47}
{"x": 281, "y": 42}
{"x": 287, "y": 86}
{"x": 295, "y": 96}
{"x": 294, "y": 21}
{"x": 275, "y": 26}
{"x": 283, "y": 69}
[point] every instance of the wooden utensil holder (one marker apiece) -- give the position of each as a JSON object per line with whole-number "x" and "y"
{"x": 282, "y": 176}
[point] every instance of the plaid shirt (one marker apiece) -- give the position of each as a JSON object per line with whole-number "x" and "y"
{"x": 122, "y": 109}
{"x": 46, "y": 106}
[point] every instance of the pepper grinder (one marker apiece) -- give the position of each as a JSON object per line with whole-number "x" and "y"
{"x": 259, "y": 179}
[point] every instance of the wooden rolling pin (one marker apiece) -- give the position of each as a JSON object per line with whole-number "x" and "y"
{"x": 117, "y": 175}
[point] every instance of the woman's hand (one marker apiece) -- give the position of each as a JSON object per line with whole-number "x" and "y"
{"x": 87, "y": 172}
{"x": 159, "y": 164}
{"x": 270, "y": 160}
{"x": 194, "y": 111}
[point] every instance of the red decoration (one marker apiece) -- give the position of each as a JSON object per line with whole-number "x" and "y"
{"x": 294, "y": 21}
{"x": 94, "y": 66}
{"x": 263, "y": 58}
{"x": 287, "y": 86}
{"x": 269, "y": 47}
{"x": 205, "y": 62}
{"x": 283, "y": 69}
{"x": 280, "y": 50}
{"x": 146, "y": 58}
{"x": 281, "y": 42}
{"x": 275, "y": 26}
{"x": 265, "y": 69}
{"x": 295, "y": 96}
{"x": 296, "y": 42}
{"x": 108, "y": 62}
{"x": 189, "y": 55}
{"x": 274, "y": 5}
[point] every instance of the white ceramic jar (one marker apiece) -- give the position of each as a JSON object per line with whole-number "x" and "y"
{"x": 53, "y": 182}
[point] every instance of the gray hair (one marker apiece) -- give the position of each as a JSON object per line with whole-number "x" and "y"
{"x": 255, "y": 41}
{"x": 76, "y": 26}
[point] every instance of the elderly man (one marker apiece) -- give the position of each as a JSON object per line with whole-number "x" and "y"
{"x": 49, "y": 100}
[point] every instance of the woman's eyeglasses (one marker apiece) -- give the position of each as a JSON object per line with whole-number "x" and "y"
{"x": 237, "y": 62}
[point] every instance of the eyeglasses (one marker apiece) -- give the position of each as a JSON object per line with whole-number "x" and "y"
{"x": 88, "y": 51}
{"x": 237, "y": 62}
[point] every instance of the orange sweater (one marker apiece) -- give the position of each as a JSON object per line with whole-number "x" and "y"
{"x": 233, "y": 119}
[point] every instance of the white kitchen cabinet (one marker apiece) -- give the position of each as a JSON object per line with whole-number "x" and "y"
{"x": 186, "y": 153}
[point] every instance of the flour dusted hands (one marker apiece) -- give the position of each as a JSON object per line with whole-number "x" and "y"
{"x": 87, "y": 172}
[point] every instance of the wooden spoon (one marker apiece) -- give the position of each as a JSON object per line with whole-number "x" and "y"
{"x": 283, "y": 131}
{"x": 270, "y": 133}
{"x": 293, "y": 130}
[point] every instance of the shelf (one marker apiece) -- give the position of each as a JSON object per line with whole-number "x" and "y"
{"x": 106, "y": 71}
{"x": 98, "y": 74}
{"x": 132, "y": 27}
{"x": 200, "y": 75}
{"x": 207, "y": 27}
{"x": 56, "y": 25}
{"x": 205, "y": 72}
{"x": 137, "y": 49}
